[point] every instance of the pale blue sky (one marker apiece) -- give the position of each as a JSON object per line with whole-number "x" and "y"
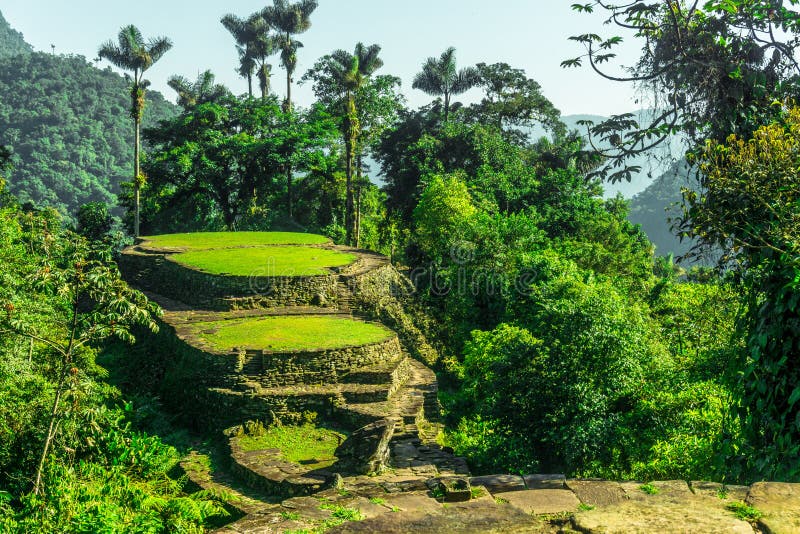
{"x": 528, "y": 34}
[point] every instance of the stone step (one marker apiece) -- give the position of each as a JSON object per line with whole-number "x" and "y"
{"x": 392, "y": 372}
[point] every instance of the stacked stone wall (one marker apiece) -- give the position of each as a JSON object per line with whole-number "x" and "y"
{"x": 161, "y": 274}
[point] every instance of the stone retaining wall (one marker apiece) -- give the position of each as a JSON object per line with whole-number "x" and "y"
{"x": 386, "y": 295}
{"x": 158, "y": 273}
{"x": 267, "y": 471}
{"x": 321, "y": 366}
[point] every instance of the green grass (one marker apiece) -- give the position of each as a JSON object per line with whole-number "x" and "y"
{"x": 649, "y": 489}
{"x": 745, "y": 512}
{"x": 280, "y": 333}
{"x": 207, "y": 240}
{"x": 307, "y": 445}
{"x": 265, "y": 261}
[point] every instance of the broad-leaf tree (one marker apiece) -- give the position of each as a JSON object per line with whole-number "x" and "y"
{"x": 441, "y": 77}
{"x": 98, "y": 304}
{"x": 748, "y": 208}
{"x": 221, "y": 160}
{"x": 132, "y": 53}
{"x": 708, "y": 69}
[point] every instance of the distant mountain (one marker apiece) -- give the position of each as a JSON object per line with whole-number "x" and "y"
{"x": 11, "y": 41}
{"x": 652, "y": 164}
{"x": 658, "y": 203}
{"x": 69, "y": 126}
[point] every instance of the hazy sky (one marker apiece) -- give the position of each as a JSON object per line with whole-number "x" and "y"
{"x": 527, "y": 34}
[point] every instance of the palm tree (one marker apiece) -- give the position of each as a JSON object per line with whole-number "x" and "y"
{"x": 350, "y": 71}
{"x": 133, "y": 54}
{"x": 289, "y": 20}
{"x": 440, "y": 77}
{"x": 255, "y": 44}
{"x": 200, "y": 92}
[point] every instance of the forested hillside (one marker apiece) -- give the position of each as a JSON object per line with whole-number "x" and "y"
{"x": 655, "y": 206}
{"x": 70, "y": 129}
{"x": 12, "y": 42}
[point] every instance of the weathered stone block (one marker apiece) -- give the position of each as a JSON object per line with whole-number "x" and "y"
{"x": 366, "y": 450}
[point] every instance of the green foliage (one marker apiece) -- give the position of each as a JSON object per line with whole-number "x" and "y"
{"x": 221, "y": 164}
{"x": 745, "y": 512}
{"x": 715, "y": 68}
{"x": 748, "y": 209}
{"x": 444, "y": 214}
{"x": 212, "y": 240}
{"x": 61, "y": 297}
{"x": 94, "y": 221}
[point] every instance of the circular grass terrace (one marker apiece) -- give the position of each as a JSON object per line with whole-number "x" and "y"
{"x": 212, "y": 240}
{"x": 290, "y": 333}
{"x": 265, "y": 261}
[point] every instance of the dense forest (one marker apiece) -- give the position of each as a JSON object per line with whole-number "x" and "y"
{"x": 568, "y": 342}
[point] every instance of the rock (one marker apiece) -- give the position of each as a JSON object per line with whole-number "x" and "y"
{"x": 715, "y": 490}
{"x": 780, "y": 504}
{"x": 451, "y": 489}
{"x": 542, "y": 481}
{"x": 658, "y": 514}
{"x": 366, "y": 450}
{"x": 499, "y": 483}
{"x": 474, "y": 517}
{"x": 543, "y": 501}
{"x": 597, "y": 492}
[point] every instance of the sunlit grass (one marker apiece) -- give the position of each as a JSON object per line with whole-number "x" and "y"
{"x": 207, "y": 240}
{"x": 307, "y": 332}
{"x": 266, "y": 261}
{"x": 306, "y": 445}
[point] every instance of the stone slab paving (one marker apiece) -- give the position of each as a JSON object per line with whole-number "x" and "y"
{"x": 543, "y": 501}
{"x": 545, "y": 481}
{"x": 499, "y": 483}
{"x": 780, "y": 504}
{"x": 474, "y": 517}
{"x": 597, "y": 492}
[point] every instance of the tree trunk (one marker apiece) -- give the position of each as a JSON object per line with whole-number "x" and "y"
{"x": 358, "y": 200}
{"x": 348, "y": 211}
{"x": 289, "y": 189}
{"x": 250, "y": 85}
{"x": 51, "y": 431}
{"x": 446, "y": 106}
{"x": 136, "y": 173}
{"x": 288, "y": 91}
{"x": 351, "y": 139}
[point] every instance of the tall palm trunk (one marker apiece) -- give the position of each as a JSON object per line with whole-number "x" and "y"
{"x": 289, "y": 202}
{"x": 446, "y": 105}
{"x": 358, "y": 199}
{"x": 250, "y": 85}
{"x": 351, "y": 139}
{"x": 288, "y": 91}
{"x": 137, "y": 106}
{"x": 136, "y": 177}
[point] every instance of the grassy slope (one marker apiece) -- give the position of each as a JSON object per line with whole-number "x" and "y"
{"x": 208, "y": 240}
{"x": 265, "y": 261}
{"x": 291, "y": 333}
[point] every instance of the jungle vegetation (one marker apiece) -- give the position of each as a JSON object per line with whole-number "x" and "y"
{"x": 567, "y": 344}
